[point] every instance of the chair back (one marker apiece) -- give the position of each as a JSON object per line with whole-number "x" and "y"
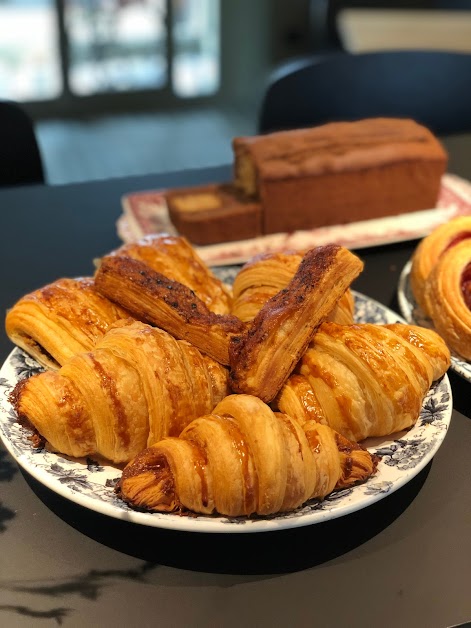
{"x": 432, "y": 87}
{"x": 20, "y": 158}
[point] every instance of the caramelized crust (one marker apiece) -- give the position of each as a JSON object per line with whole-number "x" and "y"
{"x": 365, "y": 380}
{"x": 60, "y": 320}
{"x": 168, "y": 304}
{"x": 264, "y": 355}
{"x": 243, "y": 459}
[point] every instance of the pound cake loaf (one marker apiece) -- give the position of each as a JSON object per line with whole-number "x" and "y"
{"x": 339, "y": 172}
{"x": 209, "y": 214}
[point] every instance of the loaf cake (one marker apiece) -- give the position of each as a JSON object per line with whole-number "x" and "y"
{"x": 339, "y": 172}
{"x": 209, "y": 214}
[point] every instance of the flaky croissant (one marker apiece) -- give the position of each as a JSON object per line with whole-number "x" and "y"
{"x": 175, "y": 258}
{"x": 243, "y": 459}
{"x": 263, "y": 356}
{"x": 429, "y": 251}
{"x": 61, "y": 319}
{"x": 448, "y": 295}
{"x": 265, "y": 275}
{"x": 138, "y": 385}
{"x": 365, "y": 380}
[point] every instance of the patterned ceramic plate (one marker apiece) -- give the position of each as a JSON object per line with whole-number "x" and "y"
{"x": 414, "y": 315}
{"x": 90, "y": 482}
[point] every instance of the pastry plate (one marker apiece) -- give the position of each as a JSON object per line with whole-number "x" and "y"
{"x": 414, "y": 315}
{"x": 146, "y": 212}
{"x": 90, "y": 482}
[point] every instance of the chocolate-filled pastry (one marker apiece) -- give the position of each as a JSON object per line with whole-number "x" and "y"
{"x": 448, "y": 295}
{"x": 263, "y": 356}
{"x": 170, "y": 305}
{"x": 61, "y": 319}
{"x": 265, "y": 275}
{"x": 138, "y": 385}
{"x": 365, "y": 380}
{"x": 243, "y": 459}
{"x": 175, "y": 258}
{"x": 430, "y": 250}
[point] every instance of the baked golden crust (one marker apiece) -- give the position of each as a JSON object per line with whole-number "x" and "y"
{"x": 365, "y": 380}
{"x": 175, "y": 258}
{"x": 61, "y": 319}
{"x": 168, "y": 304}
{"x": 265, "y": 275}
{"x": 430, "y": 250}
{"x": 138, "y": 385}
{"x": 243, "y": 459}
{"x": 448, "y": 297}
{"x": 265, "y": 354}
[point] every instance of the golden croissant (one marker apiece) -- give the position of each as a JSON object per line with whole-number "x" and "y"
{"x": 365, "y": 380}
{"x": 264, "y": 355}
{"x": 138, "y": 385}
{"x": 175, "y": 258}
{"x": 61, "y": 319}
{"x": 265, "y": 275}
{"x": 243, "y": 459}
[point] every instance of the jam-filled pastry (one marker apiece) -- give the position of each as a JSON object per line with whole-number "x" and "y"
{"x": 430, "y": 250}
{"x": 175, "y": 258}
{"x": 61, "y": 319}
{"x": 263, "y": 356}
{"x": 365, "y": 380}
{"x": 168, "y": 304}
{"x": 136, "y": 386}
{"x": 448, "y": 294}
{"x": 243, "y": 459}
{"x": 265, "y": 275}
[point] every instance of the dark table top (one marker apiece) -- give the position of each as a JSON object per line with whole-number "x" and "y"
{"x": 404, "y": 561}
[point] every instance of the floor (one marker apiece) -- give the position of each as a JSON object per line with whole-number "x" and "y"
{"x": 136, "y": 144}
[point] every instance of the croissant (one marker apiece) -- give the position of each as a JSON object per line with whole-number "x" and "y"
{"x": 263, "y": 356}
{"x": 175, "y": 258}
{"x": 429, "y": 251}
{"x": 168, "y": 304}
{"x": 138, "y": 385}
{"x": 243, "y": 459}
{"x": 64, "y": 318}
{"x": 365, "y": 380}
{"x": 448, "y": 294}
{"x": 265, "y": 275}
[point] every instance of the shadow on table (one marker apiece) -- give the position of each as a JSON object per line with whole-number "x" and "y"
{"x": 283, "y": 551}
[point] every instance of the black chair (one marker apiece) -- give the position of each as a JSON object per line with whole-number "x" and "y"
{"x": 20, "y": 159}
{"x": 432, "y": 87}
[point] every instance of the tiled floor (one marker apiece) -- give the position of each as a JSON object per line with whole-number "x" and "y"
{"x": 138, "y": 143}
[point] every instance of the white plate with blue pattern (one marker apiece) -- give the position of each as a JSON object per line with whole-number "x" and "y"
{"x": 90, "y": 482}
{"x": 415, "y": 316}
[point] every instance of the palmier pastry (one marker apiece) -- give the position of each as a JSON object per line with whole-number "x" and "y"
{"x": 64, "y": 318}
{"x": 265, "y": 354}
{"x": 448, "y": 294}
{"x": 365, "y": 380}
{"x": 175, "y": 258}
{"x": 243, "y": 459}
{"x": 265, "y": 275}
{"x": 138, "y": 385}
{"x": 429, "y": 251}
{"x": 170, "y": 305}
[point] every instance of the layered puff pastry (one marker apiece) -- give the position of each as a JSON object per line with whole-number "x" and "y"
{"x": 365, "y": 380}
{"x": 448, "y": 297}
{"x": 263, "y": 356}
{"x": 242, "y": 459}
{"x": 265, "y": 275}
{"x": 136, "y": 386}
{"x": 429, "y": 252}
{"x": 61, "y": 319}
{"x": 175, "y": 258}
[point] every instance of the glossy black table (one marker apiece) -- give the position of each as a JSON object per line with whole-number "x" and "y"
{"x": 404, "y": 561}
